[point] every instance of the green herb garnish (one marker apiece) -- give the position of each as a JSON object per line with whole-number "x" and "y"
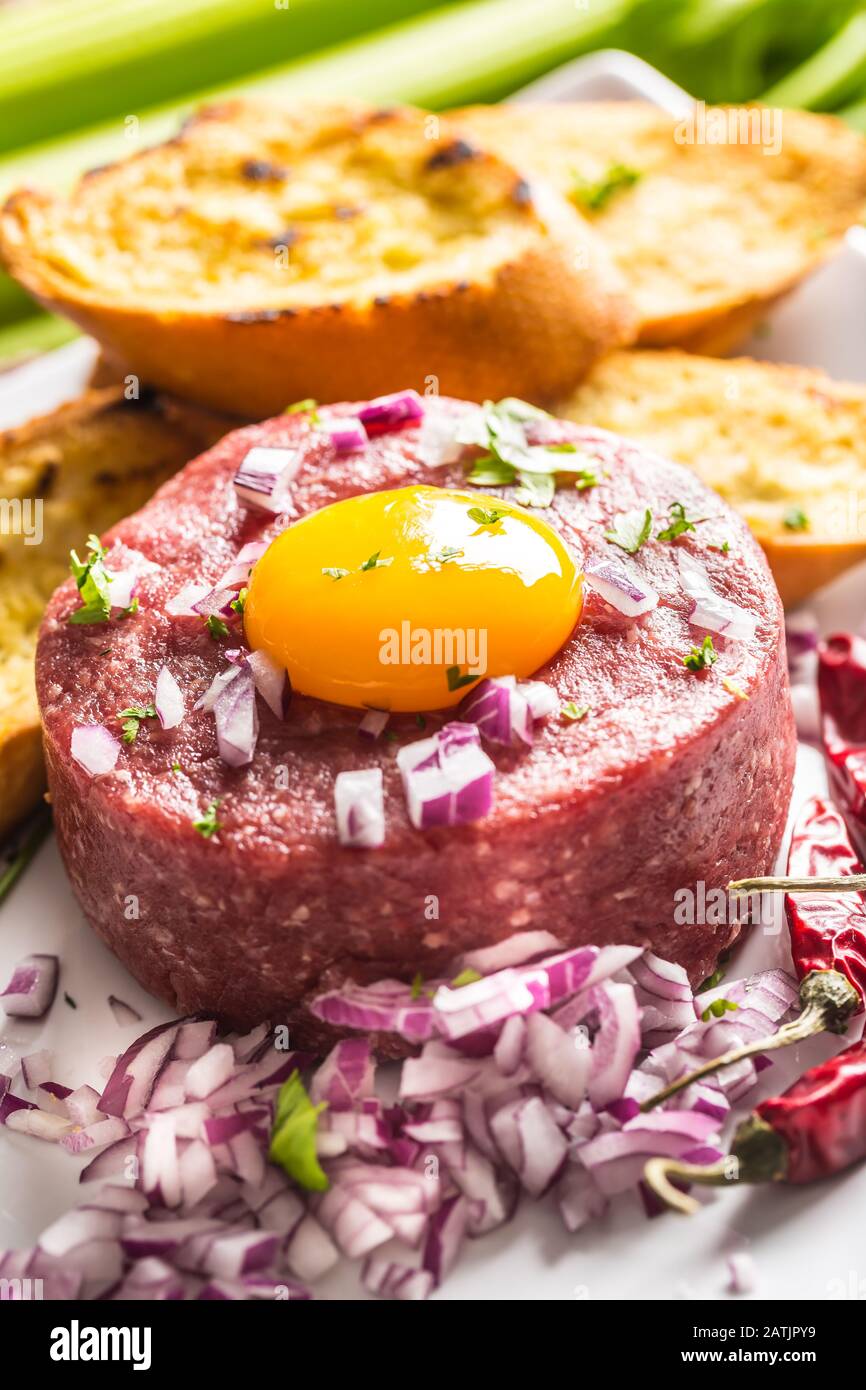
{"x": 466, "y": 977}
{"x": 334, "y": 573}
{"x": 711, "y": 981}
{"x": 208, "y": 825}
{"x": 25, "y": 850}
{"x": 572, "y": 711}
{"x": 293, "y": 1137}
{"x": 795, "y": 520}
{"x": 456, "y": 681}
{"x": 678, "y": 523}
{"x": 718, "y": 1009}
{"x": 216, "y": 627}
{"x": 237, "y": 604}
{"x": 132, "y": 718}
{"x": 631, "y": 530}
{"x": 450, "y": 552}
{"x": 699, "y": 658}
{"x": 488, "y": 516}
{"x": 309, "y": 406}
{"x": 417, "y": 985}
{"x": 93, "y": 582}
{"x": 594, "y": 195}
{"x": 374, "y": 562}
{"x": 536, "y": 489}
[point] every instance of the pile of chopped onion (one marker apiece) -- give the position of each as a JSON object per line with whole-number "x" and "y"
{"x": 528, "y": 1081}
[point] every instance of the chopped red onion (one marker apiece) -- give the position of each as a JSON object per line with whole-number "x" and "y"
{"x": 36, "y": 1068}
{"x": 240, "y": 569}
{"x": 39, "y": 1124}
{"x": 124, "y": 1013}
{"x": 263, "y": 476}
{"x": 388, "y": 412}
{"x": 618, "y": 586}
{"x": 373, "y": 723}
{"x": 237, "y": 719}
{"x": 616, "y": 1044}
{"x": 360, "y": 808}
{"x": 214, "y": 603}
{"x": 438, "y": 444}
{"x": 560, "y": 1061}
{"x": 400, "y": 1282}
{"x": 182, "y": 604}
{"x": 445, "y": 1238}
{"x": 709, "y": 609}
{"x": 541, "y": 698}
{"x": 168, "y": 699}
{"x": 742, "y": 1273}
{"x": 514, "y": 950}
{"x": 123, "y": 587}
{"x": 31, "y": 990}
{"x": 271, "y": 682}
{"x": 207, "y": 701}
{"x": 94, "y": 748}
{"x": 447, "y": 779}
{"x": 346, "y": 433}
{"x": 346, "y": 1075}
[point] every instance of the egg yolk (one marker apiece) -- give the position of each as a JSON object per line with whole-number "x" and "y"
{"x": 396, "y": 600}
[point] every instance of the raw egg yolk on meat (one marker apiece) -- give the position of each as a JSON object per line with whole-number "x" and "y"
{"x": 395, "y": 600}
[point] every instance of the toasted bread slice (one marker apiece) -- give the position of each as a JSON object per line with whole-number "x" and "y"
{"x": 784, "y": 445}
{"x": 332, "y": 251}
{"x": 88, "y": 464}
{"x": 707, "y": 235}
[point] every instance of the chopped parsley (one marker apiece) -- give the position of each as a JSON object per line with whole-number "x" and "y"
{"x": 417, "y": 986}
{"x": 450, "y": 552}
{"x": 69, "y": 1000}
{"x": 308, "y": 406}
{"x": 208, "y": 825}
{"x": 334, "y": 573}
{"x": 712, "y": 981}
{"x": 678, "y": 523}
{"x": 132, "y": 718}
{"x": 293, "y": 1137}
{"x": 491, "y": 472}
{"x": 510, "y": 459}
{"x": 631, "y": 530}
{"x": 536, "y": 489}
{"x": 456, "y": 681}
{"x": 718, "y": 1009}
{"x": 93, "y": 582}
{"x": 466, "y": 977}
{"x": 594, "y": 195}
{"x": 238, "y": 604}
{"x": 724, "y": 548}
{"x": 699, "y": 658}
{"x": 488, "y": 516}
{"x": 572, "y": 712}
{"x": 375, "y": 563}
{"x": 734, "y": 689}
{"x": 176, "y": 767}
{"x": 795, "y": 519}
{"x": 216, "y": 627}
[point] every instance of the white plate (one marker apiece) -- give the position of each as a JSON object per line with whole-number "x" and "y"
{"x": 805, "y": 1244}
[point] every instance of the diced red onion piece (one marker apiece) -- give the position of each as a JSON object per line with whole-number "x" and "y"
{"x": 388, "y": 1007}
{"x": 618, "y": 587}
{"x": 514, "y": 950}
{"x": 31, "y": 990}
{"x": 559, "y": 1061}
{"x": 182, "y": 604}
{"x": 39, "y": 1124}
{"x": 263, "y": 475}
{"x": 392, "y": 1280}
{"x": 578, "y": 1198}
{"x": 388, "y": 412}
{"x": 208, "y": 700}
{"x": 541, "y": 698}
{"x": 447, "y": 779}
{"x": 616, "y": 1044}
{"x": 438, "y": 444}
{"x": 36, "y": 1068}
{"x": 211, "y": 1071}
{"x": 445, "y": 1237}
{"x": 742, "y": 1273}
{"x": 359, "y": 802}
{"x": 123, "y": 587}
{"x": 531, "y": 1142}
{"x": 271, "y": 682}
{"x": 373, "y": 723}
{"x": 94, "y": 748}
{"x": 168, "y": 699}
{"x": 709, "y": 609}
{"x": 500, "y": 711}
{"x": 238, "y": 572}
{"x": 214, "y": 603}
{"x": 237, "y": 720}
{"x": 346, "y": 1075}
{"x": 346, "y": 433}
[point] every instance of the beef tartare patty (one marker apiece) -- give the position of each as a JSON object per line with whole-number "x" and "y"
{"x": 674, "y": 776}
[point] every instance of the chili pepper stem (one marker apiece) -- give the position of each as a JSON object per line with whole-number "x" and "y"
{"x": 659, "y": 1171}
{"x": 850, "y": 883}
{"x": 812, "y": 1020}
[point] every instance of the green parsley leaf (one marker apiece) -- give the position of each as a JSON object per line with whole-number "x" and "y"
{"x": 594, "y": 195}
{"x": 93, "y": 582}
{"x": 374, "y": 563}
{"x": 491, "y": 472}
{"x": 466, "y": 977}
{"x": 456, "y": 681}
{"x": 795, "y": 520}
{"x": 724, "y": 548}
{"x": 132, "y": 718}
{"x": 678, "y": 523}
{"x": 176, "y": 767}
{"x": 305, "y": 407}
{"x": 237, "y": 604}
{"x": 536, "y": 489}
{"x": 420, "y": 721}
{"x": 718, "y": 1009}
{"x": 417, "y": 985}
{"x": 572, "y": 711}
{"x": 450, "y": 552}
{"x": 216, "y": 627}
{"x": 208, "y": 825}
{"x": 334, "y": 573}
{"x": 699, "y": 658}
{"x": 711, "y": 981}
{"x": 129, "y": 609}
{"x": 631, "y": 530}
{"x": 293, "y": 1137}
{"x": 488, "y": 516}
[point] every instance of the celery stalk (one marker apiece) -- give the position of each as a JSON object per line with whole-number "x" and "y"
{"x": 86, "y": 60}
{"x": 834, "y": 75}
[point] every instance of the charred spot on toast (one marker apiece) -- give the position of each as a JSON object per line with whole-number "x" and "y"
{"x": 456, "y": 152}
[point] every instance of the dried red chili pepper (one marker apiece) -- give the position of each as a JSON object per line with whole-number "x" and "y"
{"x": 814, "y": 1129}
{"x": 828, "y": 939}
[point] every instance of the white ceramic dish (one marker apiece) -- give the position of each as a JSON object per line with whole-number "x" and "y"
{"x": 804, "y": 1243}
